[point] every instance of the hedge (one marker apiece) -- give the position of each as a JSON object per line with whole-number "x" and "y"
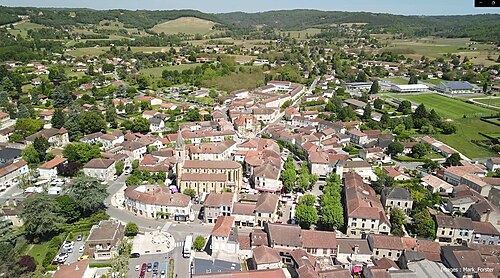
{"x": 100, "y": 265}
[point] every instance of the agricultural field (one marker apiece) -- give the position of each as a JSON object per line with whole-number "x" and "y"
{"x": 22, "y": 27}
{"x": 187, "y": 25}
{"x": 236, "y": 81}
{"x": 436, "y": 47}
{"x": 156, "y": 72}
{"x": 87, "y": 51}
{"x": 467, "y": 128}
{"x": 302, "y": 34}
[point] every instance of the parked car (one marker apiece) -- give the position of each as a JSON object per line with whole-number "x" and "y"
{"x": 79, "y": 237}
{"x": 137, "y": 267}
{"x": 82, "y": 248}
{"x": 115, "y": 177}
{"x": 135, "y": 255}
{"x": 150, "y": 267}
{"x": 155, "y": 267}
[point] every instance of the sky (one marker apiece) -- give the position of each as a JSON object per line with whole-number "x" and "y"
{"x": 405, "y": 7}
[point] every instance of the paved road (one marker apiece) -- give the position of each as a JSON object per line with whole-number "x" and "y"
{"x": 11, "y": 193}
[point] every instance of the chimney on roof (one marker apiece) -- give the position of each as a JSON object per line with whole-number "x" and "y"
{"x": 488, "y": 212}
{"x": 355, "y": 249}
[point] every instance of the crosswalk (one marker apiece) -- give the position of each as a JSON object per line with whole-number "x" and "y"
{"x": 179, "y": 244}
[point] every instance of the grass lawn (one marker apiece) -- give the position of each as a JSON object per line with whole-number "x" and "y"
{"x": 88, "y": 51}
{"x": 235, "y": 81}
{"x": 187, "y": 25}
{"x": 448, "y": 107}
{"x": 467, "y": 128}
{"x": 396, "y": 80}
{"x": 435, "y": 81}
{"x": 489, "y": 101}
{"x": 156, "y": 72}
{"x": 39, "y": 251}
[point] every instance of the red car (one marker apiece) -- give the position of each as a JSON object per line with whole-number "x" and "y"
{"x": 143, "y": 270}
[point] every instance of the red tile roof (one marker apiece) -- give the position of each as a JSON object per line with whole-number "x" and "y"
{"x": 223, "y": 226}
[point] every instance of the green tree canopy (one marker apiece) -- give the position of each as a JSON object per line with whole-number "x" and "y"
{"x": 81, "y": 152}
{"x": 41, "y": 216}
{"x": 306, "y": 216}
{"x": 58, "y": 118}
{"x": 395, "y": 148}
{"x": 199, "y": 243}
{"x": 88, "y": 193}
{"x": 131, "y": 229}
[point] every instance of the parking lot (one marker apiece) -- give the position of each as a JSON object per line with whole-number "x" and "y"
{"x": 73, "y": 256}
{"x": 162, "y": 260}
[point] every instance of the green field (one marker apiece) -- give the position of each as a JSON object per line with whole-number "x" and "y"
{"x": 187, "y": 25}
{"x": 236, "y": 81}
{"x": 490, "y": 101}
{"x": 467, "y": 128}
{"x": 38, "y": 251}
{"x": 396, "y": 80}
{"x": 87, "y": 51}
{"x": 436, "y": 47}
{"x": 156, "y": 72}
{"x": 21, "y": 28}
{"x": 447, "y": 107}
{"x": 302, "y": 34}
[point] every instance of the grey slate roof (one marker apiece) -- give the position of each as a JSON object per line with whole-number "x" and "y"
{"x": 9, "y": 153}
{"x": 399, "y": 193}
{"x": 456, "y": 85}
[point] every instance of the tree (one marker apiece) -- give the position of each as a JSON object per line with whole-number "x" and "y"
{"x": 190, "y": 192}
{"x": 140, "y": 125}
{"x": 448, "y": 128}
{"x": 453, "y": 160}
{"x": 38, "y": 273}
{"x": 424, "y": 225}
{"x": 41, "y": 145}
{"x": 413, "y": 79}
{"x": 41, "y": 216}
{"x": 119, "y": 167}
{"x": 132, "y": 180}
{"x": 72, "y": 123}
{"x": 142, "y": 82}
{"x": 378, "y": 103}
{"x": 375, "y": 87}
{"x": 68, "y": 208}
{"x": 395, "y": 148}
{"x": 405, "y": 107}
{"x": 333, "y": 216}
{"x": 192, "y": 115}
{"x": 58, "y": 118}
{"x": 398, "y": 220}
{"x": 61, "y": 97}
{"x": 430, "y": 165}
{"x": 199, "y": 243}
{"x": 420, "y": 112}
{"x": 26, "y": 127}
{"x": 131, "y": 229}
{"x": 91, "y": 122}
{"x": 81, "y": 152}
{"x": 27, "y": 263}
{"x": 367, "y": 112}
{"x": 420, "y": 150}
{"x": 111, "y": 116}
{"x": 30, "y": 155}
{"x": 22, "y": 111}
{"x": 88, "y": 193}
{"x": 308, "y": 200}
{"x": 288, "y": 177}
{"x": 306, "y": 216}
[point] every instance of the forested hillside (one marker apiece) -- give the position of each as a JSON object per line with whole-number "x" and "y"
{"x": 478, "y": 27}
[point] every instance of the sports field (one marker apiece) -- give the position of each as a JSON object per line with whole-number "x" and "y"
{"x": 187, "y": 25}
{"x": 447, "y": 107}
{"x": 468, "y": 128}
{"x": 490, "y": 101}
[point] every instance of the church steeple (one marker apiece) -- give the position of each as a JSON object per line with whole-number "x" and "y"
{"x": 180, "y": 147}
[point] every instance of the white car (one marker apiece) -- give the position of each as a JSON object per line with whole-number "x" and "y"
{"x": 115, "y": 177}
{"x": 82, "y": 248}
{"x": 137, "y": 267}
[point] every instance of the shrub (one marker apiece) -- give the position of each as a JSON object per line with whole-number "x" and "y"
{"x": 51, "y": 254}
